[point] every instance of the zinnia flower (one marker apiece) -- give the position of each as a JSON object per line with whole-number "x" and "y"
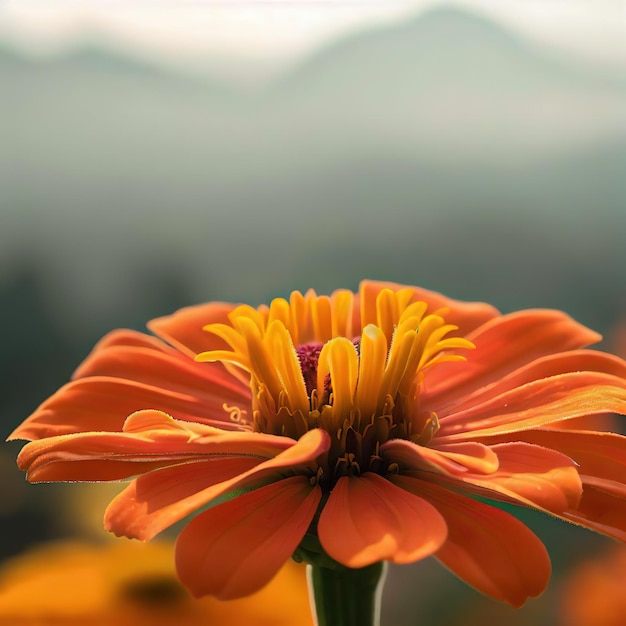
{"x": 373, "y": 425}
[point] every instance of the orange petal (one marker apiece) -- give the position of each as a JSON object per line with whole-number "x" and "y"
{"x": 601, "y": 455}
{"x": 601, "y": 460}
{"x": 453, "y": 459}
{"x": 157, "y": 500}
{"x": 367, "y": 519}
{"x": 466, "y": 315}
{"x": 112, "y": 456}
{"x": 601, "y": 511}
{"x": 130, "y": 338}
{"x": 525, "y": 474}
{"x": 486, "y": 547}
{"x": 612, "y": 487}
{"x": 503, "y": 345}
{"x": 235, "y": 548}
{"x": 167, "y": 369}
{"x": 183, "y": 329}
{"x": 544, "y": 367}
{"x": 102, "y": 403}
{"x": 530, "y": 475}
{"x": 536, "y": 404}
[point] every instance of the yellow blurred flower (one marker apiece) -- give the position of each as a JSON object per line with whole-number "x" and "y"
{"x": 130, "y": 583}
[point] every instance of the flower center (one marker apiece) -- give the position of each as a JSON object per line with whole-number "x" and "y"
{"x": 308, "y": 356}
{"x": 307, "y": 371}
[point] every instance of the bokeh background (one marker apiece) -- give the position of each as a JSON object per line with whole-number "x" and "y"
{"x": 155, "y": 156}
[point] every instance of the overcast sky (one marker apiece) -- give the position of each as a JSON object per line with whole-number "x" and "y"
{"x": 269, "y": 30}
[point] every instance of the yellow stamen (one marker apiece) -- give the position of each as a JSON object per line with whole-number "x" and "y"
{"x": 280, "y": 311}
{"x": 321, "y": 318}
{"x": 285, "y": 359}
{"x": 299, "y": 318}
{"x": 339, "y": 360}
{"x": 261, "y": 362}
{"x": 310, "y": 368}
{"x": 371, "y": 369}
{"x": 341, "y": 322}
{"x": 387, "y": 313}
{"x": 398, "y": 364}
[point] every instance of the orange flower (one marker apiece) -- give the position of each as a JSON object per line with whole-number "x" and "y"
{"x": 367, "y": 422}
{"x": 132, "y": 584}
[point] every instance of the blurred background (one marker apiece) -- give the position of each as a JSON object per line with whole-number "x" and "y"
{"x": 159, "y": 154}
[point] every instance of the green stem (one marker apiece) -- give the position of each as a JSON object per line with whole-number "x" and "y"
{"x": 346, "y": 597}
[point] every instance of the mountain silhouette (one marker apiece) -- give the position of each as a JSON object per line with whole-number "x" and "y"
{"x": 452, "y": 82}
{"x": 361, "y": 160}
{"x": 445, "y": 49}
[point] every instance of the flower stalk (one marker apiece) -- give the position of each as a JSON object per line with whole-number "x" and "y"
{"x": 344, "y": 596}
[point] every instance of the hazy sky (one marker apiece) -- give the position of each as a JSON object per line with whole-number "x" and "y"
{"x": 269, "y": 30}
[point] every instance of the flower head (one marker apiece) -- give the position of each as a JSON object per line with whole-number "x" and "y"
{"x": 367, "y": 423}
